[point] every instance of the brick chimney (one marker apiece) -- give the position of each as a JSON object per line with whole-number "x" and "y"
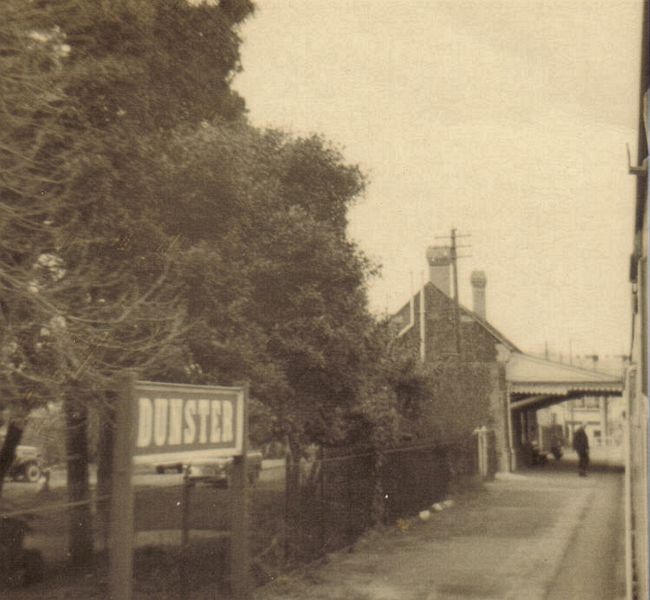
{"x": 439, "y": 259}
{"x": 479, "y": 281}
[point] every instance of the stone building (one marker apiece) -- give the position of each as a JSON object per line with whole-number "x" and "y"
{"x": 427, "y": 323}
{"x": 520, "y": 384}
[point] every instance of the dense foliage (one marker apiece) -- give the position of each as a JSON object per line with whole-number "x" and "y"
{"x": 270, "y": 274}
{"x": 90, "y": 93}
{"x": 173, "y": 237}
{"x": 146, "y": 224}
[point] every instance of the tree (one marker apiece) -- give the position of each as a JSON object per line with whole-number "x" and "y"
{"x": 137, "y": 71}
{"x": 278, "y": 285}
{"x": 90, "y": 91}
{"x": 150, "y": 64}
{"x": 33, "y": 150}
{"x": 406, "y": 399}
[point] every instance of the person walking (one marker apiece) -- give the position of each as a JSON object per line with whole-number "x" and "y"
{"x": 581, "y": 446}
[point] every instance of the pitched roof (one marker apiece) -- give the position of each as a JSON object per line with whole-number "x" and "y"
{"x": 532, "y": 375}
{"x": 493, "y": 331}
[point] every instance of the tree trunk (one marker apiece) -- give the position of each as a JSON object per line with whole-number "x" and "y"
{"x": 292, "y": 497}
{"x": 105, "y": 466}
{"x": 8, "y": 451}
{"x": 80, "y": 516}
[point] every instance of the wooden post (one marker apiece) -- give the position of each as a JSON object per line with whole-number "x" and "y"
{"x": 105, "y": 467}
{"x": 512, "y": 456}
{"x": 185, "y": 536}
{"x": 120, "y": 583}
{"x": 239, "y": 550}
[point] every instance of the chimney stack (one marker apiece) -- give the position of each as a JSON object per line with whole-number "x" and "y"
{"x": 439, "y": 259}
{"x": 479, "y": 281}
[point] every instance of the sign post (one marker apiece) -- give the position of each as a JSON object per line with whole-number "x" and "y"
{"x": 120, "y": 549}
{"x": 239, "y": 550}
{"x": 185, "y": 536}
{"x": 158, "y": 423}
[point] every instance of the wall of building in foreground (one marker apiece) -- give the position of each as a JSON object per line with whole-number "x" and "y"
{"x": 636, "y": 388}
{"x": 636, "y": 399}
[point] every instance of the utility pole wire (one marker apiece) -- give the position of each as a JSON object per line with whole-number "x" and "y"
{"x": 453, "y": 254}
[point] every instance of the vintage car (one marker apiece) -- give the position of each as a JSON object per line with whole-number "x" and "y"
{"x": 162, "y": 468}
{"x": 27, "y": 464}
{"x": 218, "y": 471}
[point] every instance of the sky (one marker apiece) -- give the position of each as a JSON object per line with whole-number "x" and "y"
{"x": 504, "y": 119}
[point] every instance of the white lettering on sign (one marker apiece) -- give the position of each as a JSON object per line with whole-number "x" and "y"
{"x": 190, "y": 425}
{"x": 175, "y": 421}
{"x": 215, "y": 430}
{"x": 204, "y": 413}
{"x": 166, "y": 422}
{"x": 228, "y": 423}
{"x": 144, "y": 422}
{"x": 160, "y": 421}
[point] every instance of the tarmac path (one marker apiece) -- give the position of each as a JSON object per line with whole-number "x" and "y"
{"x": 541, "y": 532}
{"x": 592, "y": 566}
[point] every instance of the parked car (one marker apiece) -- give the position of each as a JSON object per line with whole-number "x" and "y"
{"x": 27, "y": 464}
{"x": 161, "y": 469}
{"x": 218, "y": 471}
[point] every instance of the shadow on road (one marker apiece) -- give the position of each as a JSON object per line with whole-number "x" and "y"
{"x": 601, "y": 461}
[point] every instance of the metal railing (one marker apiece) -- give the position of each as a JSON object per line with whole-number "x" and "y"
{"x": 298, "y": 513}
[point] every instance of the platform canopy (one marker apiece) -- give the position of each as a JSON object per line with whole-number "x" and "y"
{"x": 549, "y": 382}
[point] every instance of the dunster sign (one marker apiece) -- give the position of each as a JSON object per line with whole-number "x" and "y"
{"x": 170, "y": 422}
{"x": 181, "y": 422}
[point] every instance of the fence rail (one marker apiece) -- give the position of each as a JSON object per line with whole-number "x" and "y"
{"x": 298, "y": 511}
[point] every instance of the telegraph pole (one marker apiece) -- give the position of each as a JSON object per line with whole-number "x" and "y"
{"x": 453, "y": 255}
{"x": 454, "y": 266}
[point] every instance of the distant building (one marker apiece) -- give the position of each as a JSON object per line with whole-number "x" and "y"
{"x": 603, "y": 417}
{"x": 427, "y": 321}
{"x": 521, "y": 385}
{"x": 427, "y": 325}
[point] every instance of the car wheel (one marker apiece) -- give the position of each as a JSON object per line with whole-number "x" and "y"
{"x": 160, "y": 470}
{"x": 32, "y": 472}
{"x": 179, "y": 468}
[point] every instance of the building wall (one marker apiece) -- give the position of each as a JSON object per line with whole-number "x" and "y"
{"x": 636, "y": 395}
{"x": 478, "y": 345}
{"x": 636, "y": 391}
{"x": 499, "y": 414}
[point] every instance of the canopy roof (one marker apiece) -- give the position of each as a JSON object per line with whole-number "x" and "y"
{"x": 531, "y": 375}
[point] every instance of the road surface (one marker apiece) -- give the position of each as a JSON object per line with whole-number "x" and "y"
{"x": 143, "y": 476}
{"x": 593, "y": 567}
